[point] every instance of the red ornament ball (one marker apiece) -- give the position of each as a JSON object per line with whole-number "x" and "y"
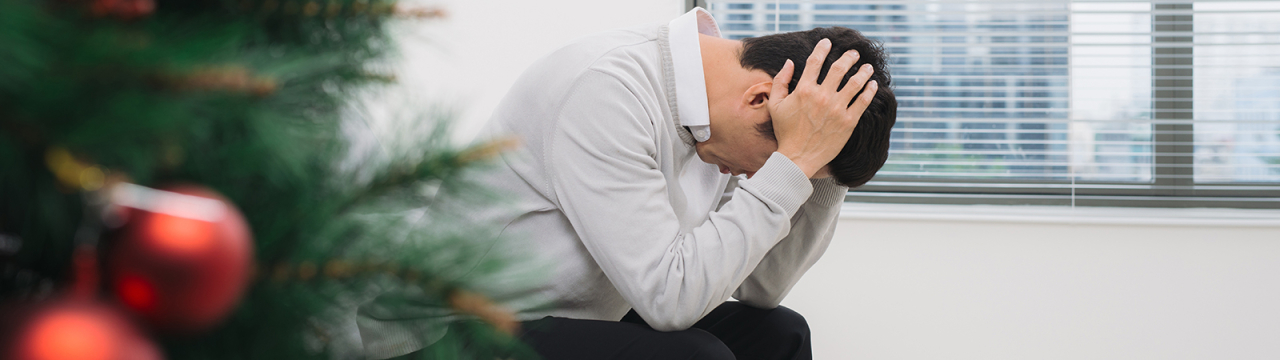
{"x": 182, "y": 258}
{"x": 122, "y": 9}
{"x": 75, "y": 330}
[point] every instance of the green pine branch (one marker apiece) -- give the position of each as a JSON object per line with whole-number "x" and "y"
{"x": 245, "y": 98}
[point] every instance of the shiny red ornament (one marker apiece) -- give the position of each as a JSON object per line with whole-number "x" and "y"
{"x": 182, "y": 258}
{"x": 72, "y": 330}
{"x": 122, "y": 9}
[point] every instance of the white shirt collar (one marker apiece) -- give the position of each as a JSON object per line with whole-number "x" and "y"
{"x": 686, "y": 58}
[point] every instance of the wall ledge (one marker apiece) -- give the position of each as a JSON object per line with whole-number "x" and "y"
{"x": 1064, "y": 215}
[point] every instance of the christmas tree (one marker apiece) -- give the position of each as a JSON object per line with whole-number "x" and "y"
{"x": 177, "y": 181}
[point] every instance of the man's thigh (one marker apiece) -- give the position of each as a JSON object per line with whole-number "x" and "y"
{"x": 753, "y": 333}
{"x": 570, "y": 339}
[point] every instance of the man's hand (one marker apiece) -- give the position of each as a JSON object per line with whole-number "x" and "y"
{"x": 813, "y": 123}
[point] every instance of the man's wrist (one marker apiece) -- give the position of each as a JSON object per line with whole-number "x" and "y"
{"x": 807, "y": 166}
{"x": 781, "y": 181}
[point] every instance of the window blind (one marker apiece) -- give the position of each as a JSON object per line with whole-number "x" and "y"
{"x": 1090, "y": 103}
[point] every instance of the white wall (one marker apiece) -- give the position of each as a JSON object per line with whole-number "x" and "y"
{"x": 467, "y": 61}
{"x": 955, "y": 282}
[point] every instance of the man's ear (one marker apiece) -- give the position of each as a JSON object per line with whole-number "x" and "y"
{"x": 757, "y": 95}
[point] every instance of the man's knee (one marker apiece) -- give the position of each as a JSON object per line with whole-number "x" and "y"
{"x": 787, "y": 322}
{"x": 700, "y": 345}
{"x": 788, "y": 333}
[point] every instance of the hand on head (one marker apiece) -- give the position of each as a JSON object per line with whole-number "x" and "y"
{"x": 815, "y": 121}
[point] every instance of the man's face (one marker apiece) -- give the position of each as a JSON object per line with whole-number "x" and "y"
{"x": 735, "y": 144}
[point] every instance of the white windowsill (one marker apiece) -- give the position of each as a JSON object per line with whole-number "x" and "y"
{"x": 1063, "y": 215}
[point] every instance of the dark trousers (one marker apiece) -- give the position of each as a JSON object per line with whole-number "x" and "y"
{"x": 731, "y": 331}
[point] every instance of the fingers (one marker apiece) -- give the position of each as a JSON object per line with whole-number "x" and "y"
{"x": 864, "y": 100}
{"x": 855, "y": 83}
{"x": 780, "y": 82}
{"x": 838, "y": 69}
{"x": 813, "y": 65}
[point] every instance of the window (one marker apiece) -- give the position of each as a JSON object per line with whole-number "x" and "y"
{"x": 1093, "y": 103}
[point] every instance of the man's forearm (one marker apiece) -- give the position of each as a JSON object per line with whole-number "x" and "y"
{"x": 811, "y": 231}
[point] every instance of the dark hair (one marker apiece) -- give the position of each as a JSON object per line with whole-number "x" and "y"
{"x": 868, "y": 147}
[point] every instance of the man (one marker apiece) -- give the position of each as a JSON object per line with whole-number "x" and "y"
{"x": 631, "y": 141}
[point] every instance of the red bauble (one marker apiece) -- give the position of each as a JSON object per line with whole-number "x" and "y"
{"x": 182, "y": 259}
{"x": 73, "y": 330}
{"x": 123, "y": 9}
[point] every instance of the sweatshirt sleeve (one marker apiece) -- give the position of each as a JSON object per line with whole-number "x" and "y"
{"x": 603, "y": 172}
{"x": 811, "y": 231}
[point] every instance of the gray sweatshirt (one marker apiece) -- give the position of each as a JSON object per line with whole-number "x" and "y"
{"x": 608, "y": 185}
{"x": 608, "y": 189}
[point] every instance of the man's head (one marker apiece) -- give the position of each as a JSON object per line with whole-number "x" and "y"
{"x": 741, "y": 106}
